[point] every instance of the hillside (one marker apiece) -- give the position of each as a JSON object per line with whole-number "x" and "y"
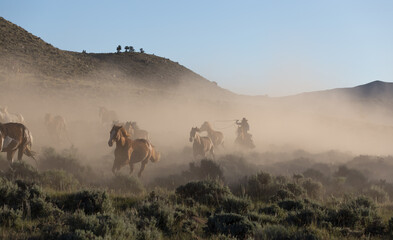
{"x": 27, "y": 56}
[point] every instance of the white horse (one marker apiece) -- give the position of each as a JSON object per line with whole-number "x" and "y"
{"x": 201, "y": 145}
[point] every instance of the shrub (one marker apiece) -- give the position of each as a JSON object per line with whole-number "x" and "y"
{"x": 22, "y": 170}
{"x": 375, "y": 227}
{"x": 262, "y": 219}
{"x": 159, "y": 213}
{"x": 230, "y": 224}
{"x": 272, "y": 232}
{"x": 67, "y": 161}
{"x": 234, "y": 204}
{"x": 101, "y": 225}
{"x": 126, "y": 184}
{"x": 26, "y": 197}
{"x": 272, "y": 209}
{"x": 205, "y": 192}
{"x": 290, "y": 205}
{"x": 304, "y": 217}
{"x": 378, "y": 194}
{"x": 309, "y": 234}
{"x": 90, "y": 201}
{"x": 59, "y": 180}
{"x": 10, "y": 217}
{"x": 313, "y": 189}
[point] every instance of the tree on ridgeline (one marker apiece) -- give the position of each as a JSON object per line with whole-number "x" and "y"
{"x": 126, "y": 48}
{"x": 118, "y": 49}
{"x": 131, "y": 49}
{"x": 141, "y": 50}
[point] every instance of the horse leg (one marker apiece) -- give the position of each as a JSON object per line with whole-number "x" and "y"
{"x": 212, "y": 153}
{"x": 144, "y": 162}
{"x": 20, "y": 152}
{"x": 10, "y": 156}
{"x": 131, "y": 167}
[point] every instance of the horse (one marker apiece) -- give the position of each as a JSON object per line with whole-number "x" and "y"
{"x": 244, "y": 139}
{"x": 13, "y": 137}
{"x": 57, "y": 127}
{"x": 136, "y": 132}
{"x": 107, "y": 116}
{"x": 130, "y": 151}
{"x": 201, "y": 145}
{"x": 216, "y": 136}
{"x": 5, "y": 116}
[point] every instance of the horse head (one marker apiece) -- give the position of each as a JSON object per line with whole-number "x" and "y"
{"x": 193, "y": 133}
{"x": 116, "y": 134}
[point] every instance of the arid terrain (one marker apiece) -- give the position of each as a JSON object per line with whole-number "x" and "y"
{"x": 321, "y": 168}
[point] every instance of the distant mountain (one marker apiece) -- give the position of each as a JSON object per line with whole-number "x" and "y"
{"x": 25, "y": 54}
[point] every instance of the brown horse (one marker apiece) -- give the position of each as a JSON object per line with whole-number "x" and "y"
{"x": 130, "y": 151}
{"x": 57, "y": 127}
{"x": 201, "y": 145}
{"x": 13, "y": 137}
{"x": 216, "y": 136}
{"x": 107, "y": 116}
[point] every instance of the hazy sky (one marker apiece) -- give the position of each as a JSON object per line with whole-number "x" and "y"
{"x": 253, "y": 47}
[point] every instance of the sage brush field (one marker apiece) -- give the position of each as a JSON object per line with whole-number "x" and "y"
{"x": 66, "y": 200}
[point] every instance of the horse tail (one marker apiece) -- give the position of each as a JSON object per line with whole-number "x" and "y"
{"x": 28, "y": 139}
{"x": 155, "y": 155}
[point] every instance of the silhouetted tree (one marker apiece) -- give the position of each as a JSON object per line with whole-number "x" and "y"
{"x": 118, "y": 49}
{"x": 132, "y": 49}
{"x": 142, "y": 51}
{"x": 126, "y": 48}
{"x": 84, "y": 51}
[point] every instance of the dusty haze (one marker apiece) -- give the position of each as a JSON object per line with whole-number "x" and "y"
{"x": 317, "y": 124}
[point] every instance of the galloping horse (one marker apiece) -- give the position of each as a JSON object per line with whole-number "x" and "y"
{"x": 57, "y": 127}
{"x": 130, "y": 151}
{"x": 216, "y": 136}
{"x": 107, "y": 116}
{"x": 5, "y": 116}
{"x": 15, "y": 136}
{"x": 201, "y": 145}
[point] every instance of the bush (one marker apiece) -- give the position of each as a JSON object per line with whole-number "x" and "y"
{"x": 234, "y": 204}
{"x": 58, "y": 180}
{"x": 22, "y": 170}
{"x": 305, "y": 217}
{"x": 263, "y": 219}
{"x": 205, "y": 192}
{"x": 159, "y": 213}
{"x": 290, "y": 205}
{"x": 377, "y": 194}
{"x": 10, "y": 217}
{"x": 26, "y": 197}
{"x": 90, "y": 201}
{"x": 101, "y": 225}
{"x": 272, "y": 232}
{"x": 230, "y": 224}
{"x": 67, "y": 161}
{"x": 126, "y": 184}
{"x": 313, "y": 189}
{"x": 273, "y": 210}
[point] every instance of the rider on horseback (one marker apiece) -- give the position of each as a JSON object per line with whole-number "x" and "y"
{"x": 243, "y": 137}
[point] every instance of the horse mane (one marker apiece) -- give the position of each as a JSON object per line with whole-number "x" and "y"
{"x": 124, "y": 132}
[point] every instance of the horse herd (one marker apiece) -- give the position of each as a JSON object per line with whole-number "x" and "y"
{"x": 132, "y": 143}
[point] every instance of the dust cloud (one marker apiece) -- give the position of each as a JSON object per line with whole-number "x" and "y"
{"x": 314, "y": 123}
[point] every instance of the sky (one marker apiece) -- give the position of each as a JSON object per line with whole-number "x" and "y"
{"x": 274, "y": 48}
